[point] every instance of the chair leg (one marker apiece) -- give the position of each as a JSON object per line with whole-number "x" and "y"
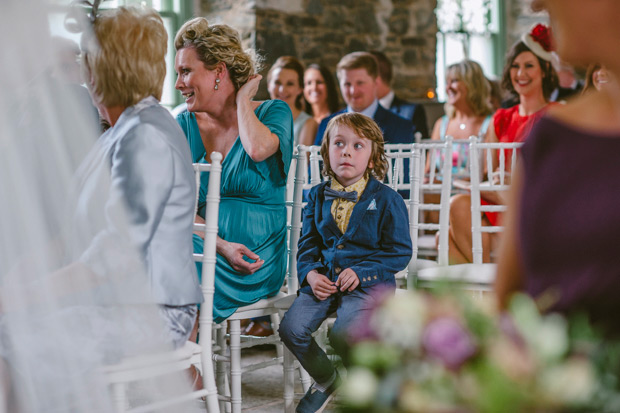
{"x": 306, "y": 380}
{"x": 119, "y": 397}
{"x": 207, "y": 370}
{"x": 235, "y": 365}
{"x": 289, "y": 381}
{"x": 275, "y": 324}
{"x": 221, "y": 370}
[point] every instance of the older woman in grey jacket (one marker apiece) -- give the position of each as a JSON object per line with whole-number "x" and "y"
{"x": 144, "y": 163}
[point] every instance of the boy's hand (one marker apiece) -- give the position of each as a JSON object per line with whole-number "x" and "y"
{"x": 322, "y": 287}
{"x": 347, "y": 280}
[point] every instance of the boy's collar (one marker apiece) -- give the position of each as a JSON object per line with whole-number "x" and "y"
{"x": 358, "y": 186}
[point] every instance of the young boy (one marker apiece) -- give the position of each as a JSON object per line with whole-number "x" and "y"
{"x": 355, "y": 237}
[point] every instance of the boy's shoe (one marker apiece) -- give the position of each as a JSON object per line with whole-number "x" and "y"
{"x": 314, "y": 401}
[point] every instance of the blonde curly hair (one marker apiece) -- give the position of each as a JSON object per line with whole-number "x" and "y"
{"x": 219, "y": 43}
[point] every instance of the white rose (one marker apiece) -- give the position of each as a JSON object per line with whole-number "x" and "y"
{"x": 550, "y": 338}
{"x": 359, "y": 387}
{"x": 400, "y": 320}
{"x": 572, "y": 382}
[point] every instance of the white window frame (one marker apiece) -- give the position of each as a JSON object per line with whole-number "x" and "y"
{"x": 487, "y": 48}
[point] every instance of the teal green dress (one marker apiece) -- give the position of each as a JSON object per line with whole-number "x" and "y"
{"x": 252, "y": 210}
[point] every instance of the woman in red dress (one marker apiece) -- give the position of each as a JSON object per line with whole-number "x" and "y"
{"x": 529, "y": 75}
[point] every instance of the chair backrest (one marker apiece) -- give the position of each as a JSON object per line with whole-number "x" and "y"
{"x": 302, "y": 181}
{"x": 491, "y": 167}
{"x": 421, "y": 182}
{"x": 461, "y": 161}
{"x": 208, "y": 259}
{"x": 397, "y": 176}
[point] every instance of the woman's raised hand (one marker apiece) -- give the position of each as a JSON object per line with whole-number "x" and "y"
{"x": 249, "y": 89}
{"x": 234, "y": 253}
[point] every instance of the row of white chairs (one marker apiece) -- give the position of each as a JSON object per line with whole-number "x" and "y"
{"x": 222, "y": 386}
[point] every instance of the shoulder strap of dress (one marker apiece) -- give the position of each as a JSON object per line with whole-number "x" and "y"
{"x": 485, "y": 126}
{"x": 443, "y": 127}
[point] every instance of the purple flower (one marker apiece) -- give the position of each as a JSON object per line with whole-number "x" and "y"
{"x": 447, "y": 340}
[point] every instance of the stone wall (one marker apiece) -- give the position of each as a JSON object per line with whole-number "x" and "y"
{"x": 519, "y": 19}
{"x": 322, "y": 31}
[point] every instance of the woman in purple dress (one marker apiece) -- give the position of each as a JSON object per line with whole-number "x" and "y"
{"x": 560, "y": 244}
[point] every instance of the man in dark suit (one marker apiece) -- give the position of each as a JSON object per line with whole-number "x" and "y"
{"x": 569, "y": 85}
{"x": 388, "y": 99}
{"x": 357, "y": 74}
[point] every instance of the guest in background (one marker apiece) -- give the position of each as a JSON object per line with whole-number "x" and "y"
{"x": 569, "y": 85}
{"x": 468, "y": 113}
{"x": 468, "y": 110}
{"x": 389, "y": 100}
{"x": 597, "y": 78}
{"x": 563, "y": 220}
{"x": 285, "y": 81}
{"x": 529, "y": 75}
{"x": 320, "y": 92}
{"x": 357, "y": 73}
{"x": 496, "y": 94}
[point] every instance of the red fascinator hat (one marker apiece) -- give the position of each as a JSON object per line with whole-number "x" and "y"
{"x": 539, "y": 40}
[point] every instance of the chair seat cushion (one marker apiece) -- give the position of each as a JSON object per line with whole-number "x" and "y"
{"x": 266, "y": 306}
{"x": 483, "y": 274}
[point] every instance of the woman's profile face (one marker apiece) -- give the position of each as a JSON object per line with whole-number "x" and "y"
{"x": 195, "y": 82}
{"x": 284, "y": 85}
{"x": 315, "y": 90}
{"x": 526, "y": 74}
{"x": 456, "y": 89}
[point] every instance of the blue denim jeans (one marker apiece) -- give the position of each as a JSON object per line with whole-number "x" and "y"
{"x": 305, "y": 317}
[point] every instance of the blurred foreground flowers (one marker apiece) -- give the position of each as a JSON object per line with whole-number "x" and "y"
{"x": 448, "y": 352}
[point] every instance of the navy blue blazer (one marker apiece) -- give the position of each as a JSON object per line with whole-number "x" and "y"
{"x": 395, "y": 129}
{"x": 412, "y": 111}
{"x": 376, "y": 244}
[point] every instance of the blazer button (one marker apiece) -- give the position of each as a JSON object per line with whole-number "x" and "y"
{"x": 340, "y": 246}
{"x": 337, "y": 270}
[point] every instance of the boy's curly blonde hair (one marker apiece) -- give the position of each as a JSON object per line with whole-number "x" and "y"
{"x": 364, "y": 127}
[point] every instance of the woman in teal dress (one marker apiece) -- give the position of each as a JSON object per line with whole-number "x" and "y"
{"x": 217, "y": 78}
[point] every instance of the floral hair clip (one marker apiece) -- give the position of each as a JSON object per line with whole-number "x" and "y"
{"x": 75, "y": 20}
{"x": 540, "y": 41}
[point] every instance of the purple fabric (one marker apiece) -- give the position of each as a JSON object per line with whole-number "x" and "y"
{"x": 569, "y": 223}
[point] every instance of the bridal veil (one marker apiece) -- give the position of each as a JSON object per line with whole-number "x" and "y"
{"x": 57, "y": 334}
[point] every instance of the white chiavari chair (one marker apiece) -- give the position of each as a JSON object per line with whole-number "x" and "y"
{"x": 438, "y": 154}
{"x": 273, "y": 307}
{"x": 478, "y": 276}
{"x": 305, "y": 178}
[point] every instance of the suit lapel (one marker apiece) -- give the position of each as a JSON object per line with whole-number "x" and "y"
{"x": 361, "y": 208}
{"x": 380, "y": 115}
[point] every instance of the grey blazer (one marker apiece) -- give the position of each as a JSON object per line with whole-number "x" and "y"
{"x": 136, "y": 199}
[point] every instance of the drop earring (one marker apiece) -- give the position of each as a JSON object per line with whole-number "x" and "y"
{"x": 217, "y": 84}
